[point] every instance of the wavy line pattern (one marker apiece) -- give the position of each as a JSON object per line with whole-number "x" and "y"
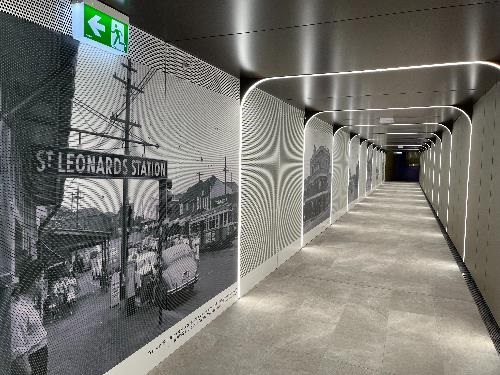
{"x": 271, "y": 174}
{"x": 144, "y": 47}
{"x": 290, "y": 176}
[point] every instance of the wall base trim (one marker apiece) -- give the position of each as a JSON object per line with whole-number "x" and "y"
{"x": 258, "y": 274}
{"x": 316, "y": 231}
{"x": 337, "y": 215}
{"x": 352, "y": 204}
{"x": 288, "y": 252}
{"x": 251, "y": 279}
{"x": 157, "y": 350}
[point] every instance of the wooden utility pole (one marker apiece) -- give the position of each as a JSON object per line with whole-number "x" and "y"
{"x": 77, "y": 197}
{"x": 225, "y": 175}
{"x": 130, "y": 305}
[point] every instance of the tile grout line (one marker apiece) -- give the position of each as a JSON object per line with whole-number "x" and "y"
{"x": 375, "y": 287}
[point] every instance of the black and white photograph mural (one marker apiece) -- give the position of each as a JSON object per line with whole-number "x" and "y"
{"x": 369, "y": 168}
{"x": 318, "y": 141}
{"x": 353, "y": 191}
{"x": 340, "y": 171}
{"x": 119, "y": 200}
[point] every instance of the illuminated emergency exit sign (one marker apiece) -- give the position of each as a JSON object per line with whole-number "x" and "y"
{"x": 101, "y": 26}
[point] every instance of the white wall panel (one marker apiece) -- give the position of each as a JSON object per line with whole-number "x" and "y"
{"x": 482, "y": 240}
{"x": 289, "y": 222}
{"x": 271, "y": 191}
{"x": 458, "y": 181}
{"x": 259, "y": 178}
{"x": 444, "y": 178}
{"x": 353, "y": 187}
{"x": 474, "y": 201}
{"x": 437, "y": 174}
{"x": 363, "y": 156}
{"x": 340, "y": 166}
{"x": 484, "y": 229}
{"x": 492, "y": 252}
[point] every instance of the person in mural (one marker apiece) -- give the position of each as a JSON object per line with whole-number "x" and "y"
{"x": 28, "y": 335}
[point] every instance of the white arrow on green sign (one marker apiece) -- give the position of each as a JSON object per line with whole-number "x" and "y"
{"x": 99, "y": 28}
{"x": 96, "y": 26}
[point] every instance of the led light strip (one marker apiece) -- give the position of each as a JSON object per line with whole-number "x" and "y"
{"x": 385, "y": 125}
{"x": 367, "y": 71}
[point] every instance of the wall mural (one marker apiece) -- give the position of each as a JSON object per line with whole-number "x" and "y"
{"x": 353, "y": 190}
{"x": 119, "y": 201}
{"x": 317, "y": 173}
{"x": 340, "y": 171}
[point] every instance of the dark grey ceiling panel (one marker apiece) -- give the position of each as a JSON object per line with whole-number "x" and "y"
{"x": 269, "y": 38}
{"x": 287, "y": 37}
{"x": 192, "y": 19}
{"x": 444, "y": 85}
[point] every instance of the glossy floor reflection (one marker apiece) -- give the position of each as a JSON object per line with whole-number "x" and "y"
{"x": 376, "y": 293}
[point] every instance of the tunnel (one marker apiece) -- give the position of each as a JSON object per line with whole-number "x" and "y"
{"x": 249, "y": 187}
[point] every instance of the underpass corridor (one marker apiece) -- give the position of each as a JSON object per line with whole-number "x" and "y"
{"x": 378, "y": 292}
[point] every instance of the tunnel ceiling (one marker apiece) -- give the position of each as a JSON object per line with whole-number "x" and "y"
{"x": 263, "y": 38}
{"x": 409, "y": 126}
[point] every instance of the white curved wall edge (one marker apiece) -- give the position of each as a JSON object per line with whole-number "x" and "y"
{"x": 153, "y": 353}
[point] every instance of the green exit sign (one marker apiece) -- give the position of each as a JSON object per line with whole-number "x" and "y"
{"x": 101, "y": 26}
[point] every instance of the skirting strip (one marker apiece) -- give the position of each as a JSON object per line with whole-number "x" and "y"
{"x": 484, "y": 310}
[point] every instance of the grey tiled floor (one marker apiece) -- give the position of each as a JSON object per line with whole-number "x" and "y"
{"x": 376, "y": 293}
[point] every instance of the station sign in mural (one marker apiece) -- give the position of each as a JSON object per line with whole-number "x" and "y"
{"x": 79, "y": 163}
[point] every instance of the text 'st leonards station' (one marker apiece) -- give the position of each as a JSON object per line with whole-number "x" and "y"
{"x": 78, "y": 163}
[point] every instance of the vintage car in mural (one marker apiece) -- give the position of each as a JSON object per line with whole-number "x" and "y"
{"x": 178, "y": 268}
{"x": 179, "y": 273}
